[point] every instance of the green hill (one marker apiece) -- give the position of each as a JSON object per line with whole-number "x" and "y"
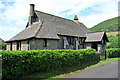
{"x": 109, "y": 25}
{"x": 113, "y": 38}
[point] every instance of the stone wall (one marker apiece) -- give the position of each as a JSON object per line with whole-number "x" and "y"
{"x": 39, "y": 44}
{"x": 14, "y": 46}
{"x": 36, "y": 44}
{"x": 60, "y": 43}
{"x": 70, "y": 46}
{"x": 8, "y": 46}
{"x": 52, "y": 44}
{"x": 24, "y": 45}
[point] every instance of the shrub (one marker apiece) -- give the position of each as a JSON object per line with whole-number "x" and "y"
{"x": 4, "y": 46}
{"x": 19, "y": 63}
{"x": 113, "y": 52}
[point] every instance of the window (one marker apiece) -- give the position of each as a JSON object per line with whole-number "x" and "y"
{"x": 102, "y": 41}
{"x": 80, "y": 40}
{"x": 65, "y": 41}
{"x": 45, "y": 42}
{"x": 70, "y": 40}
{"x": 64, "y": 38}
{"x": 77, "y": 42}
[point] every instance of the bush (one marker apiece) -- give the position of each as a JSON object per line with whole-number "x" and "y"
{"x": 4, "y": 46}
{"x": 19, "y": 63}
{"x": 113, "y": 52}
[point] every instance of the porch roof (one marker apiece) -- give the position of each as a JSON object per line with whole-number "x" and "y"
{"x": 96, "y": 36}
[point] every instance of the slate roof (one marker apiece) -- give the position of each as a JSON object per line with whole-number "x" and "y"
{"x": 95, "y": 36}
{"x": 51, "y": 26}
{"x": 27, "y": 33}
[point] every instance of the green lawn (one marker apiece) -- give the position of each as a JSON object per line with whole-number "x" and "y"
{"x": 0, "y": 63}
{"x": 57, "y": 73}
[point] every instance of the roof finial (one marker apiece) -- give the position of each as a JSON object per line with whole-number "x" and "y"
{"x": 75, "y": 18}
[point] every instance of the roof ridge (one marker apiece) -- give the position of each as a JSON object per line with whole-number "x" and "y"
{"x": 96, "y": 32}
{"x": 55, "y": 16}
{"x": 39, "y": 27}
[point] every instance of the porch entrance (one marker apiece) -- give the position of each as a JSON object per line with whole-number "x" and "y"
{"x": 94, "y": 46}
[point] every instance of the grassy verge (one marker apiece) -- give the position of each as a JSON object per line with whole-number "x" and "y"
{"x": 57, "y": 73}
{"x": 0, "y": 63}
{"x": 109, "y": 60}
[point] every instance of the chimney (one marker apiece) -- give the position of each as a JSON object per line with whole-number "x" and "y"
{"x": 76, "y": 18}
{"x": 31, "y": 16}
{"x": 32, "y": 9}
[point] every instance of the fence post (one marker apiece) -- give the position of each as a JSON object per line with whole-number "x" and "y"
{"x": 105, "y": 55}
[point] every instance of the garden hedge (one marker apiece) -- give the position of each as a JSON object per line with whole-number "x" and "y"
{"x": 19, "y": 63}
{"x": 113, "y": 52}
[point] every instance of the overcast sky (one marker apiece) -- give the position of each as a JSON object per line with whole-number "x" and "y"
{"x": 14, "y": 13}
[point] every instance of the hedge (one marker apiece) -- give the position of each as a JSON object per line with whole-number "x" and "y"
{"x": 113, "y": 52}
{"x": 19, "y": 63}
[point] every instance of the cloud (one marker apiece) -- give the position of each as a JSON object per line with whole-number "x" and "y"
{"x": 93, "y": 20}
{"x": 1, "y": 5}
{"x": 14, "y": 13}
{"x": 93, "y": 12}
{"x": 7, "y": 32}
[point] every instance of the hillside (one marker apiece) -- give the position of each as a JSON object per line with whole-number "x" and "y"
{"x": 109, "y": 25}
{"x": 113, "y": 38}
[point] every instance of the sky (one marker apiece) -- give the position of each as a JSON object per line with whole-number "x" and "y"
{"x": 14, "y": 13}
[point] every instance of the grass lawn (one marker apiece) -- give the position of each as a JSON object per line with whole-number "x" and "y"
{"x": 112, "y": 33}
{"x": 57, "y": 73}
{"x": 0, "y": 63}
